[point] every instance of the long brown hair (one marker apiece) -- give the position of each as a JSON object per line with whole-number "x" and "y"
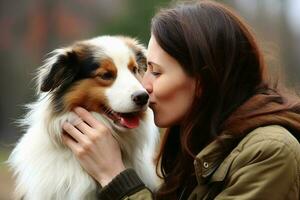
{"x": 213, "y": 45}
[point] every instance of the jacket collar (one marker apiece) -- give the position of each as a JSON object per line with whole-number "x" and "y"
{"x": 213, "y": 162}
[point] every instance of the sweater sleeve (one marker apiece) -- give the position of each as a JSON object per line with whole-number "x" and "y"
{"x": 126, "y": 185}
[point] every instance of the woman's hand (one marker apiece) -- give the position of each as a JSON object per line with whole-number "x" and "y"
{"x": 93, "y": 144}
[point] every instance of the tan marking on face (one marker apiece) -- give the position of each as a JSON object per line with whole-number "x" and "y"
{"x": 87, "y": 93}
{"x": 132, "y": 65}
{"x": 107, "y": 69}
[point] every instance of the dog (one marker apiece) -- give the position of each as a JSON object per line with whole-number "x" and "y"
{"x": 102, "y": 75}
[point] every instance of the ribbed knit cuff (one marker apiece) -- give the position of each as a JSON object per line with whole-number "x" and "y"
{"x": 126, "y": 183}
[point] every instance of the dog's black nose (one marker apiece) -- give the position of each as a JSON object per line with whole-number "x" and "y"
{"x": 140, "y": 98}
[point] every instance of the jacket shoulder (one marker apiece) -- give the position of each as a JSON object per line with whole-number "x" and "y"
{"x": 271, "y": 138}
{"x": 266, "y": 160}
{"x": 269, "y": 144}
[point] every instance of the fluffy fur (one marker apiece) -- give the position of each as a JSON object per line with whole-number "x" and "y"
{"x": 100, "y": 74}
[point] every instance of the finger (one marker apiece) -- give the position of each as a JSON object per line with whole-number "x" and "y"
{"x": 72, "y": 144}
{"x": 75, "y": 120}
{"x": 87, "y": 117}
{"x": 76, "y": 148}
{"x": 74, "y": 132}
{"x": 84, "y": 128}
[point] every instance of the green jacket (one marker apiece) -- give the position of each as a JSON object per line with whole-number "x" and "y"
{"x": 264, "y": 165}
{"x": 258, "y": 157}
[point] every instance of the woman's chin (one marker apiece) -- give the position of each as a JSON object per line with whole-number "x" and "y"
{"x": 161, "y": 123}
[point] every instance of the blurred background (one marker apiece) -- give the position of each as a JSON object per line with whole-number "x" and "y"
{"x": 32, "y": 28}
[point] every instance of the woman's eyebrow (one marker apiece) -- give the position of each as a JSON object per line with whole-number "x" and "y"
{"x": 152, "y": 63}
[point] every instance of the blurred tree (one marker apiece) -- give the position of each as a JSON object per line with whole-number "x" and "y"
{"x": 135, "y": 19}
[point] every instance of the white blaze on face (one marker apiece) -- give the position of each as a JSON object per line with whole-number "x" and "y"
{"x": 119, "y": 94}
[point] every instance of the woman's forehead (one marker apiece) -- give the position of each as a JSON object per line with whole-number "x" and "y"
{"x": 155, "y": 54}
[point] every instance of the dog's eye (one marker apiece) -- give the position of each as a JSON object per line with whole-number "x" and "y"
{"x": 106, "y": 76}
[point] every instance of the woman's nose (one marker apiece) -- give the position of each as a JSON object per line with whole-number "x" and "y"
{"x": 147, "y": 82}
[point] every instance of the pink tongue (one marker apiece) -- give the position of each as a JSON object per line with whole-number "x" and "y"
{"x": 130, "y": 122}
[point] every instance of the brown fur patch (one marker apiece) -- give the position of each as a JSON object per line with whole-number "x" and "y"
{"x": 87, "y": 93}
{"x": 132, "y": 65}
{"x": 82, "y": 50}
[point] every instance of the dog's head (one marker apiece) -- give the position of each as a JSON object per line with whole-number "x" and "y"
{"x": 102, "y": 75}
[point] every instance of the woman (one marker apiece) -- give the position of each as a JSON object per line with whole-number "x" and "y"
{"x": 230, "y": 135}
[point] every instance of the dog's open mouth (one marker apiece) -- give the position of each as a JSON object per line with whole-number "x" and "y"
{"x": 127, "y": 120}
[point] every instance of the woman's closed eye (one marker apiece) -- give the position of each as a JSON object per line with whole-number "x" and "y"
{"x": 154, "y": 70}
{"x": 155, "y": 73}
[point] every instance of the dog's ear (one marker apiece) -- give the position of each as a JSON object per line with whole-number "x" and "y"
{"x": 61, "y": 68}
